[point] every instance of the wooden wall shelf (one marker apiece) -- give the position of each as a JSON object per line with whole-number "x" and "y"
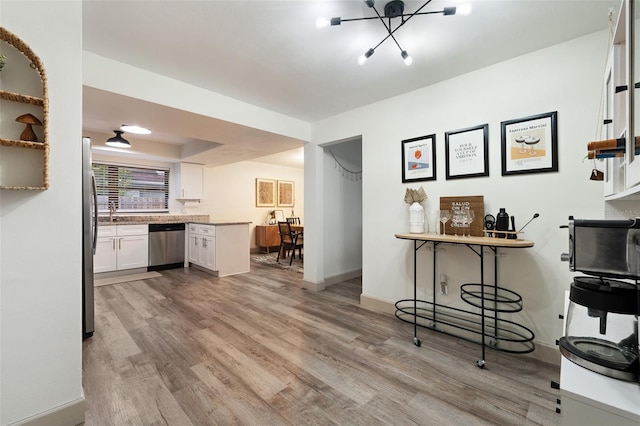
{"x": 24, "y": 164}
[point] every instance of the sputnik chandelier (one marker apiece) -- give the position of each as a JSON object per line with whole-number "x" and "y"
{"x": 393, "y": 9}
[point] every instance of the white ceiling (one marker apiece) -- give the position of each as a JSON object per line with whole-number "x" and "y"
{"x": 268, "y": 53}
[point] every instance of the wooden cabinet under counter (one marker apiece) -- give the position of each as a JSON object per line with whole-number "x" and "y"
{"x": 267, "y": 236}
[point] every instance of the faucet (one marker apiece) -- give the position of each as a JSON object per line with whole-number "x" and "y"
{"x": 112, "y": 209}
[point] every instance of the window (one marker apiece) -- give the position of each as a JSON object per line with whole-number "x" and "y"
{"x": 131, "y": 189}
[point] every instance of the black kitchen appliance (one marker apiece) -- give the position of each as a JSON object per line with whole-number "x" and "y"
{"x": 601, "y": 331}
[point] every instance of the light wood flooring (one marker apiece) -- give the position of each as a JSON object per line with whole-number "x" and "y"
{"x": 255, "y": 349}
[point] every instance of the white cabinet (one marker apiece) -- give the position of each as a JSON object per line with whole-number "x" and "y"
{"x": 121, "y": 247}
{"x": 202, "y": 246}
{"x": 222, "y": 249}
{"x": 621, "y": 103}
{"x": 104, "y": 260}
{"x": 189, "y": 181}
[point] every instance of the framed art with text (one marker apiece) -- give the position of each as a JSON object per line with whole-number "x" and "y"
{"x": 419, "y": 159}
{"x": 265, "y": 192}
{"x": 467, "y": 152}
{"x": 530, "y": 145}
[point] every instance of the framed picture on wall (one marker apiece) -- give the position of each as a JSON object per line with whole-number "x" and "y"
{"x": 467, "y": 152}
{"x": 530, "y": 145}
{"x": 419, "y": 159}
{"x": 286, "y": 193}
{"x": 265, "y": 192}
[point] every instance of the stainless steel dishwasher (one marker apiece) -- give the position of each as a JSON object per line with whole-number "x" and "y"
{"x": 166, "y": 245}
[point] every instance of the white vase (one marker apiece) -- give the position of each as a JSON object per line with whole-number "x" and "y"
{"x": 416, "y": 218}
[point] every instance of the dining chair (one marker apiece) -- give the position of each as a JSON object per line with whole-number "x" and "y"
{"x": 289, "y": 241}
{"x": 293, "y": 220}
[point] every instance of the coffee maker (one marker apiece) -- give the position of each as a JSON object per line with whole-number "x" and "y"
{"x": 601, "y": 332}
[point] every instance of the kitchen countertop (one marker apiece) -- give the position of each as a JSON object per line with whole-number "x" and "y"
{"x": 222, "y": 222}
{"x": 146, "y": 219}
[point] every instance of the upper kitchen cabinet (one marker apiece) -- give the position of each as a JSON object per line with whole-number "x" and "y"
{"x": 622, "y": 105}
{"x": 24, "y": 140}
{"x": 189, "y": 181}
{"x": 632, "y": 156}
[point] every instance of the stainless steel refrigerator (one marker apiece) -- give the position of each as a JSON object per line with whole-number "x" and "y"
{"x": 89, "y": 237}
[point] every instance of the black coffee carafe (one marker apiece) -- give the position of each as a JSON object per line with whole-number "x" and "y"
{"x": 502, "y": 223}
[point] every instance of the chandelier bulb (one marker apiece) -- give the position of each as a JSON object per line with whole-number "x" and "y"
{"x": 322, "y": 23}
{"x": 408, "y": 60}
{"x": 363, "y": 58}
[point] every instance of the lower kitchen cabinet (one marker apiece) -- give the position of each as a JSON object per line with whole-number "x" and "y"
{"x": 121, "y": 247}
{"x": 221, "y": 248}
{"x": 202, "y": 246}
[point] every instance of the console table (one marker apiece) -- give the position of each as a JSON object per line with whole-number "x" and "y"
{"x": 267, "y": 236}
{"x": 485, "y": 328}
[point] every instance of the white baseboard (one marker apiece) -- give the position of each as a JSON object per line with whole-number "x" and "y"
{"x": 69, "y": 414}
{"x": 546, "y": 353}
{"x": 342, "y": 277}
{"x": 111, "y": 274}
{"x": 377, "y": 305}
{"x": 543, "y": 352}
{"x": 308, "y": 285}
{"x": 329, "y": 281}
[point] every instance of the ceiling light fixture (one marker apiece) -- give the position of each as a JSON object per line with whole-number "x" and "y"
{"x": 393, "y": 9}
{"x": 135, "y": 129}
{"x": 118, "y": 141}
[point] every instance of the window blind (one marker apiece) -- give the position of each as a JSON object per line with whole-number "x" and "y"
{"x": 131, "y": 189}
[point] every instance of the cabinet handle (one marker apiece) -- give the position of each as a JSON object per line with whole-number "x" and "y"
{"x": 114, "y": 243}
{"x": 204, "y": 242}
{"x": 195, "y": 241}
{"x": 119, "y": 243}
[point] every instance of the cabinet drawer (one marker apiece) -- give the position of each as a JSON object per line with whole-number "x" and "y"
{"x": 123, "y": 230}
{"x": 106, "y": 230}
{"x": 193, "y": 228}
{"x": 207, "y": 230}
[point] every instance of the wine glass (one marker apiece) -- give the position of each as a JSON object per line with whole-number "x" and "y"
{"x": 444, "y": 217}
{"x": 471, "y": 216}
{"x": 463, "y": 221}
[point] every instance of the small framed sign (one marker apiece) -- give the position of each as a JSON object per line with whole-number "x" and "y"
{"x": 456, "y": 205}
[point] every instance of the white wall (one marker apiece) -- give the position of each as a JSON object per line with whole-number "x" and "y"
{"x": 41, "y": 232}
{"x": 231, "y": 192}
{"x": 343, "y": 217}
{"x": 144, "y": 85}
{"x": 566, "y": 78}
